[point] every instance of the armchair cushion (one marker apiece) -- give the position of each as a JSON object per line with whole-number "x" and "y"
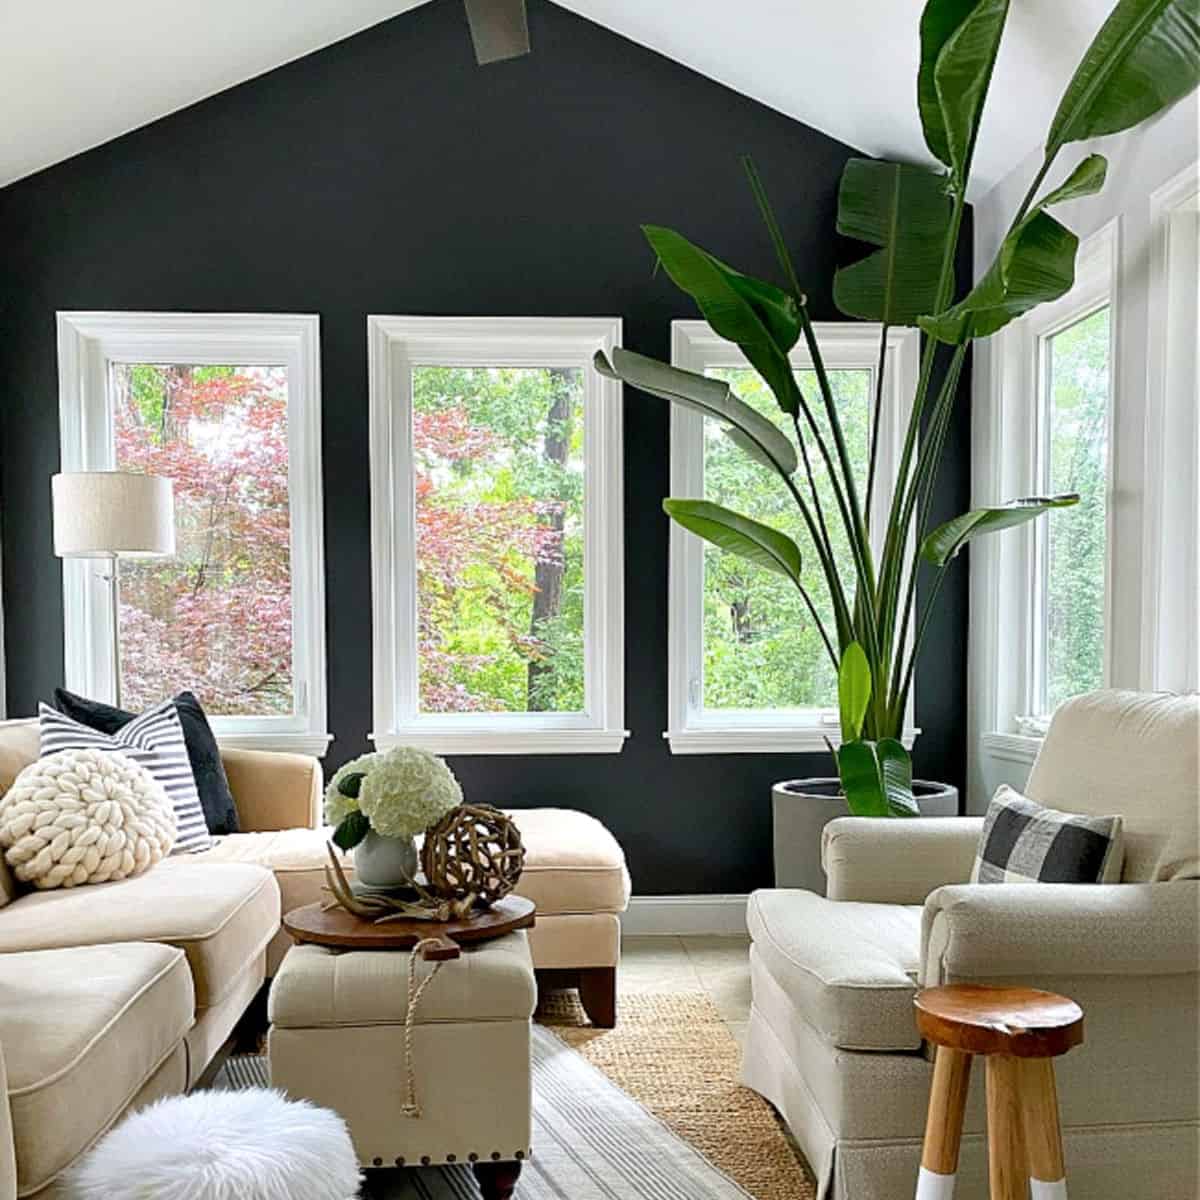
{"x": 973, "y": 931}
{"x": 850, "y": 969}
{"x": 897, "y": 862}
{"x": 274, "y": 790}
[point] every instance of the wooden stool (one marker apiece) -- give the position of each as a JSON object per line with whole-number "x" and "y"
{"x": 1019, "y": 1031}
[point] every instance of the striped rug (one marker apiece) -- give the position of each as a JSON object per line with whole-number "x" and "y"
{"x": 591, "y": 1142}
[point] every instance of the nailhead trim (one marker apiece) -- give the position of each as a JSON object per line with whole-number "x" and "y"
{"x": 495, "y": 1156}
{"x": 377, "y": 1161}
{"x": 400, "y": 1161}
{"x": 451, "y": 1157}
{"x": 472, "y": 1157}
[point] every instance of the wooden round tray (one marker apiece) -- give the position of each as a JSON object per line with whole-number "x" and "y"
{"x": 337, "y": 927}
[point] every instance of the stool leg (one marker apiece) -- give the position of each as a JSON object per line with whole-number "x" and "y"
{"x": 943, "y": 1126}
{"x": 1043, "y": 1134}
{"x": 1007, "y": 1171}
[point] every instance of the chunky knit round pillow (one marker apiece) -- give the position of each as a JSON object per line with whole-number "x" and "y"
{"x": 84, "y": 816}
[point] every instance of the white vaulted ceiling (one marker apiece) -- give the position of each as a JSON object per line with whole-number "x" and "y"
{"x": 75, "y": 73}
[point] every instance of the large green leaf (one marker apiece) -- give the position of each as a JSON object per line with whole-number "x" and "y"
{"x": 854, "y": 690}
{"x": 905, "y": 210}
{"x": 940, "y": 546}
{"x": 761, "y": 318}
{"x": 1145, "y": 57}
{"x": 877, "y": 778}
{"x": 730, "y": 531}
{"x": 1087, "y": 179}
{"x": 1036, "y": 263}
{"x": 354, "y": 826}
{"x": 710, "y": 397}
{"x": 959, "y": 41}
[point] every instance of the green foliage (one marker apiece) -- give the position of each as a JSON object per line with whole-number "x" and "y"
{"x": 763, "y": 320}
{"x": 351, "y": 830}
{"x": 1036, "y": 264}
{"x": 854, "y": 690}
{"x": 940, "y": 546}
{"x": 350, "y": 784}
{"x": 877, "y": 778}
{"x": 729, "y": 531}
{"x": 959, "y": 43}
{"x": 905, "y": 210}
{"x": 1145, "y": 57}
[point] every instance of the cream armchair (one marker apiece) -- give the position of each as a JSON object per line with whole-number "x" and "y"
{"x": 832, "y": 1041}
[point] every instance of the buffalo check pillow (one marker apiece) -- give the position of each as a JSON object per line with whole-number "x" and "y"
{"x": 155, "y": 741}
{"x": 1022, "y": 842}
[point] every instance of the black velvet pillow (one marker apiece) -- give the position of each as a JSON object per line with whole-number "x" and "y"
{"x": 220, "y": 813}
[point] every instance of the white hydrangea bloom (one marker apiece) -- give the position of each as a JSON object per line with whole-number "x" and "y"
{"x": 337, "y": 806}
{"x": 406, "y": 790}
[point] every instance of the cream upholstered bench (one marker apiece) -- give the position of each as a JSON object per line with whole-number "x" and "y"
{"x": 574, "y": 872}
{"x": 337, "y": 1038}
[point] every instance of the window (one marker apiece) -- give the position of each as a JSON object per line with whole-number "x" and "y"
{"x": 748, "y": 670}
{"x": 496, "y": 498}
{"x": 228, "y": 408}
{"x": 1042, "y": 594}
{"x": 1074, "y": 413}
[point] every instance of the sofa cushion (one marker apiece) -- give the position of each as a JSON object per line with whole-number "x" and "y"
{"x": 572, "y": 863}
{"x": 83, "y": 1030}
{"x": 849, "y": 968}
{"x": 221, "y": 915}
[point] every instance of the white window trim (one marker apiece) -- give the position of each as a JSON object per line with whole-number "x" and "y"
{"x": 1012, "y": 460}
{"x": 695, "y": 347}
{"x": 87, "y": 343}
{"x": 1170, "y": 649}
{"x": 396, "y": 344}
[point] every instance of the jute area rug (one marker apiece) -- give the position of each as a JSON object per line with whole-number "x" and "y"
{"x": 650, "y": 1110}
{"x": 674, "y": 1054}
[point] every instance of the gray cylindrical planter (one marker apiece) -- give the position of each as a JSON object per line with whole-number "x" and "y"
{"x": 385, "y": 862}
{"x": 803, "y": 807}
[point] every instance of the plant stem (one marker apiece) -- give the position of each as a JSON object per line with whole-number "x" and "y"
{"x": 874, "y": 455}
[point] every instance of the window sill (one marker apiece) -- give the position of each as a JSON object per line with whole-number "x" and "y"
{"x": 524, "y": 741}
{"x": 762, "y": 741}
{"x": 315, "y": 744}
{"x": 1011, "y": 747}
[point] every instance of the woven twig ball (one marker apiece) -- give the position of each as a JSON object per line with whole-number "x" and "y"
{"x": 84, "y": 816}
{"x": 474, "y": 850}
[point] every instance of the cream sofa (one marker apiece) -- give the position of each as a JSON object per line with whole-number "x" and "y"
{"x": 832, "y": 1041}
{"x": 139, "y": 984}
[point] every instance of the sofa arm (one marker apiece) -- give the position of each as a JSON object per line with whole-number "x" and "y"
{"x": 1012, "y": 930}
{"x": 900, "y": 861}
{"x": 274, "y": 791}
{"x": 8, "y": 1154}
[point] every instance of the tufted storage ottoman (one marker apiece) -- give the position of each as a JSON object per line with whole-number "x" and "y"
{"x": 337, "y": 1038}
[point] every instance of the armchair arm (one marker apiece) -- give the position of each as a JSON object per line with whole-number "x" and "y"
{"x": 897, "y": 861}
{"x": 973, "y": 931}
{"x": 274, "y": 791}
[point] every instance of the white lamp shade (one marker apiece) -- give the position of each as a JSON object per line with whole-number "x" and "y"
{"x": 98, "y": 513}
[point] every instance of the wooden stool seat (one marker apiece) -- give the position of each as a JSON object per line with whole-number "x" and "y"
{"x": 1019, "y": 1031}
{"x": 1022, "y": 1022}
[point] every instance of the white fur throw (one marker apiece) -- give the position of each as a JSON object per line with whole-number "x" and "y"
{"x": 84, "y": 816}
{"x": 218, "y": 1145}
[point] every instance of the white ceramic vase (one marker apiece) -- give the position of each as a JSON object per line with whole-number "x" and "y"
{"x": 385, "y": 862}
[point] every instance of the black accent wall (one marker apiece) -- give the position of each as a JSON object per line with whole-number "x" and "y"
{"x": 389, "y": 173}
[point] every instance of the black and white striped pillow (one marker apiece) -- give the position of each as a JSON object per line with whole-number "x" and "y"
{"x": 1022, "y": 842}
{"x": 155, "y": 741}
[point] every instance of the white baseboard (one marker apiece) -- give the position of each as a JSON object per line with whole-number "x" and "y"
{"x": 686, "y": 915}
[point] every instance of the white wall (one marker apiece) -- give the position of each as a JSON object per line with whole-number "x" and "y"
{"x": 1141, "y": 162}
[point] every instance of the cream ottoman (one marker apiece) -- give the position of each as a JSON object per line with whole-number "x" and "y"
{"x": 337, "y": 1038}
{"x": 574, "y": 872}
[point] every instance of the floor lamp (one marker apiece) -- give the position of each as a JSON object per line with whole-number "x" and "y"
{"x": 113, "y": 515}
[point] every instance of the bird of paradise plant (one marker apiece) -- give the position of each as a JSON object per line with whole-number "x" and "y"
{"x": 1144, "y": 58}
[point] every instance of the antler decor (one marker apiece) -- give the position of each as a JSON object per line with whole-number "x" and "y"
{"x": 474, "y": 851}
{"x": 379, "y": 907}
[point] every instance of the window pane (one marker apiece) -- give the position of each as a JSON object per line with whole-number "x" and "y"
{"x": 762, "y": 649}
{"x": 1077, "y": 370}
{"x": 216, "y": 618}
{"x": 499, "y": 494}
